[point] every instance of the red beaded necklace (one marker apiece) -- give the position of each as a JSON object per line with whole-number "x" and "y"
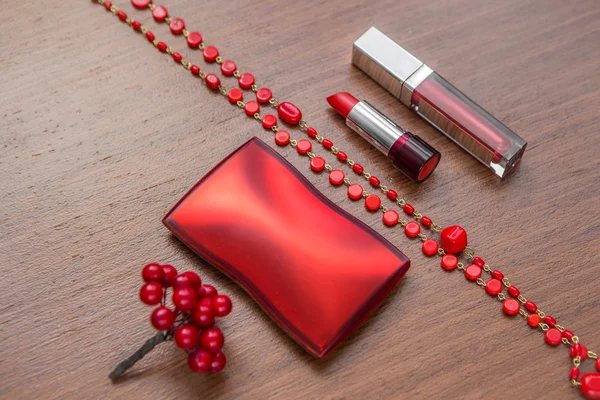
{"x": 452, "y": 240}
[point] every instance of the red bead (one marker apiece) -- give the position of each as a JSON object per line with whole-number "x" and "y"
{"x": 193, "y": 279}
{"x": 412, "y": 229}
{"x": 550, "y": 321}
{"x": 140, "y": 3}
{"x": 473, "y": 272}
{"x": 568, "y": 334}
{"x": 598, "y": 364}
{"x": 194, "y": 39}
{"x": 221, "y": 305}
{"x": 511, "y": 306}
{"x": 228, "y": 67}
{"x": 213, "y": 82}
{"x": 374, "y": 181}
{"x": 289, "y": 113}
{"x": 162, "y": 318}
{"x": 513, "y": 291}
{"x": 453, "y": 239}
{"x": 430, "y": 247}
{"x": 355, "y": 192}
{"x": 268, "y": 121}
{"x": 177, "y": 57}
{"x": 212, "y": 339}
{"x": 236, "y": 95}
{"x": 160, "y": 13}
{"x": 530, "y": 306}
{"x": 184, "y": 298}
{"x": 263, "y": 95}
{"x": 210, "y": 53}
{"x": 449, "y": 262}
{"x": 246, "y": 80}
{"x": 107, "y": 5}
{"x": 203, "y": 315}
{"x": 251, "y": 108}
{"x": 426, "y": 221}
{"x": 317, "y": 164}
{"x": 170, "y": 274}
{"x": 328, "y": 144}
{"x": 341, "y": 156}
{"x": 390, "y": 217}
{"x": 478, "y": 261}
{"x": 153, "y": 272}
{"x": 151, "y": 293}
{"x": 336, "y": 177}
{"x": 358, "y": 168}
{"x": 579, "y": 350}
{"x": 137, "y": 25}
{"x": 408, "y": 209}
{"x": 219, "y": 362}
{"x": 303, "y": 146}
{"x": 186, "y": 337}
{"x": 590, "y": 385}
{"x": 553, "y": 336}
{"x": 194, "y": 69}
{"x": 150, "y": 36}
{"x": 493, "y": 287}
{"x": 312, "y": 132}
{"x": 372, "y": 202}
{"x": 497, "y": 274}
{"x": 200, "y": 361}
{"x": 122, "y": 16}
{"x": 162, "y": 46}
{"x": 282, "y": 138}
{"x": 574, "y": 373}
{"x": 207, "y": 291}
{"x": 534, "y": 320}
{"x": 391, "y": 194}
{"x": 177, "y": 25}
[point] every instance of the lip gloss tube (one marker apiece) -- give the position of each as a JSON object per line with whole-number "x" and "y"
{"x": 438, "y": 102}
{"x": 408, "y": 152}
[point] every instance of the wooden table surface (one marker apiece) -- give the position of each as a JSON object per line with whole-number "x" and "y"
{"x": 101, "y": 135}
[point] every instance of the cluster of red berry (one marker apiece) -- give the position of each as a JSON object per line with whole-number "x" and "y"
{"x": 191, "y": 323}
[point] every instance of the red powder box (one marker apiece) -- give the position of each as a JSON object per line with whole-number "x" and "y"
{"x": 314, "y": 268}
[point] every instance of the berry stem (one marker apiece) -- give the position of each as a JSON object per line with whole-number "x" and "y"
{"x": 146, "y": 348}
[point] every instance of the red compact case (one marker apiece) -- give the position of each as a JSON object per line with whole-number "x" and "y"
{"x": 314, "y": 268}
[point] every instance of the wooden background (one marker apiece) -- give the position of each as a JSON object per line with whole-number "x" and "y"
{"x": 101, "y": 135}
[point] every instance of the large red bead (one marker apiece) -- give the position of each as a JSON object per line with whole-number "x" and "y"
{"x": 282, "y": 138}
{"x": 511, "y": 306}
{"x": 453, "y": 239}
{"x": 553, "y": 335}
{"x": 449, "y": 262}
{"x": 493, "y": 287}
{"x": 303, "y": 146}
{"x": 213, "y": 82}
{"x": 251, "y": 108}
{"x": 289, "y": 113}
{"x": 236, "y": 95}
{"x": 246, "y": 80}
{"x": 228, "y": 67}
{"x": 140, "y": 3}
{"x": 317, "y": 164}
{"x": 336, "y": 177}
{"x": 412, "y": 229}
{"x": 177, "y": 25}
{"x": 268, "y": 121}
{"x": 430, "y": 247}
{"x": 194, "y": 39}
{"x": 210, "y": 53}
{"x": 372, "y": 202}
{"x": 590, "y": 385}
{"x": 263, "y": 95}
{"x": 390, "y": 218}
{"x": 355, "y": 192}
{"x": 472, "y": 272}
{"x": 160, "y": 13}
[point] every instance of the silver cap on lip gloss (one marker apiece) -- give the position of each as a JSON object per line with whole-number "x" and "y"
{"x": 389, "y": 64}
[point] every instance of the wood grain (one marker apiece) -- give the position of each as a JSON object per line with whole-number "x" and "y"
{"x": 101, "y": 135}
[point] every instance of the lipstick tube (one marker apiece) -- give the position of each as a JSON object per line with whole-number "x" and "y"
{"x": 438, "y": 102}
{"x": 409, "y": 153}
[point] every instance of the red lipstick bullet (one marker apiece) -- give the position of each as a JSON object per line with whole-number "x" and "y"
{"x": 409, "y": 153}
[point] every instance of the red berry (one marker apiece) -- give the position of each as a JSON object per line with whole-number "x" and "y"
{"x": 162, "y": 318}
{"x": 203, "y": 315}
{"x": 153, "y": 272}
{"x": 170, "y": 274}
{"x": 195, "y": 281}
{"x": 186, "y": 337}
{"x": 212, "y": 339}
{"x": 200, "y": 361}
{"x": 182, "y": 280}
{"x": 219, "y": 362}
{"x": 221, "y": 305}
{"x": 184, "y": 298}
{"x": 207, "y": 291}
{"x": 151, "y": 293}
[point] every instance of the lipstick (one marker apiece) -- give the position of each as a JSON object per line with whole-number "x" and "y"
{"x": 438, "y": 102}
{"x": 409, "y": 153}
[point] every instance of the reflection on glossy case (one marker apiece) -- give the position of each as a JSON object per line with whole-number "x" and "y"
{"x": 314, "y": 268}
